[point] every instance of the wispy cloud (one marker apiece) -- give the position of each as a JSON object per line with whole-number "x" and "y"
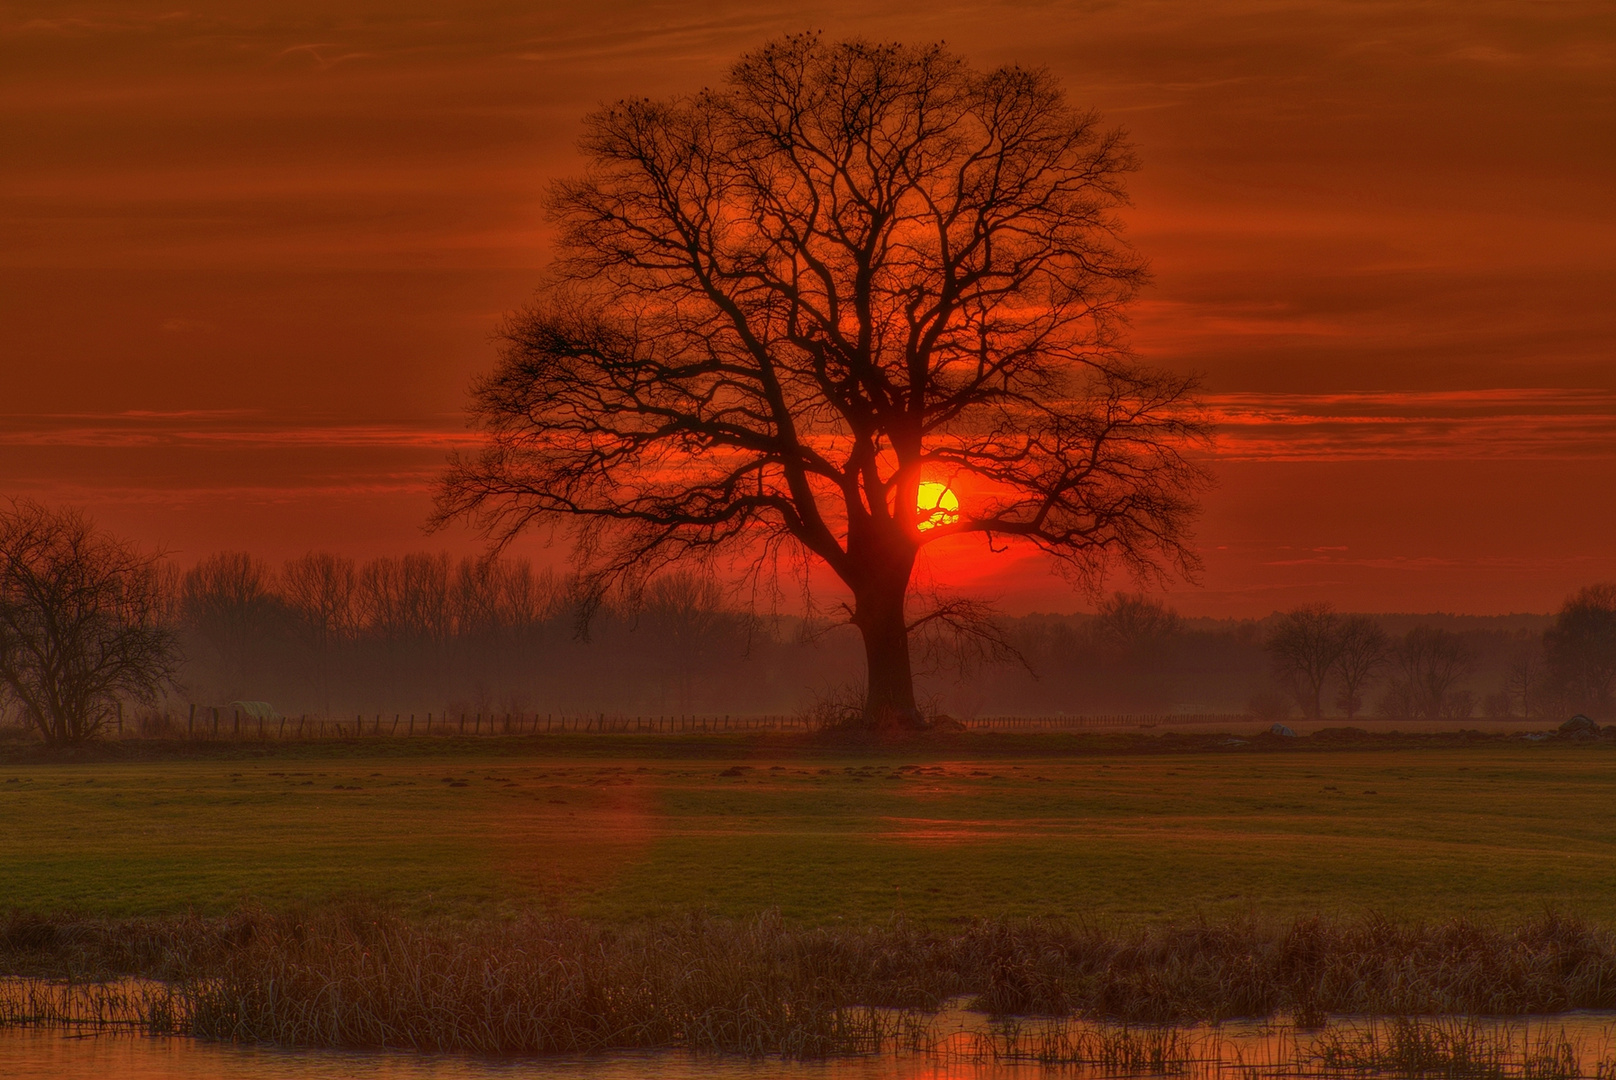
{"x": 221, "y": 428}
{"x": 1528, "y": 423}
{"x": 1455, "y": 424}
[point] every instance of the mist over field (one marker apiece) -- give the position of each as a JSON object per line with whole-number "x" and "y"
{"x": 424, "y": 633}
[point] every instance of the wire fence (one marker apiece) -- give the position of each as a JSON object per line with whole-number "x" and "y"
{"x": 218, "y": 723}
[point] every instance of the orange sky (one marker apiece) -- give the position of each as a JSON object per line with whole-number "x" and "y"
{"x": 251, "y": 253}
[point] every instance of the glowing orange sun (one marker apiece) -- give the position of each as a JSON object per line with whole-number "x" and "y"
{"x": 937, "y": 504}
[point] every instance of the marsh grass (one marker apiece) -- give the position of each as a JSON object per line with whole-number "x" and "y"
{"x": 142, "y": 1005}
{"x": 1109, "y": 1051}
{"x": 1453, "y": 1048}
{"x": 356, "y": 976}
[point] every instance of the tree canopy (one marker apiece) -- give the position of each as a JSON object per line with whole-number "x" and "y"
{"x": 782, "y": 305}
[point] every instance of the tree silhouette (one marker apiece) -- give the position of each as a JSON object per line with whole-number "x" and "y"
{"x": 781, "y": 306}
{"x": 1362, "y": 647}
{"x": 228, "y": 601}
{"x": 1581, "y": 650}
{"x": 1427, "y": 665}
{"x": 80, "y": 622}
{"x": 1305, "y": 645}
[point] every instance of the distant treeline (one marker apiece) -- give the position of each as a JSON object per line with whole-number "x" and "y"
{"x": 328, "y": 634}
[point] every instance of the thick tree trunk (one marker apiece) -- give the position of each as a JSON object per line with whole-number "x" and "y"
{"x": 890, "y": 696}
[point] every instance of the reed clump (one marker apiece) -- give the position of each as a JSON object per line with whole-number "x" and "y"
{"x": 1108, "y": 1051}
{"x": 136, "y": 1004}
{"x": 359, "y": 976}
{"x": 1451, "y": 1048}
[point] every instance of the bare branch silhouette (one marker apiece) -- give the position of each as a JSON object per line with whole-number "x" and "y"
{"x": 80, "y": 622}
{"x": 783, "y": 304}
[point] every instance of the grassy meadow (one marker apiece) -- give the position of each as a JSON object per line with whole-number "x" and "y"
{"x": 621, "y": 828}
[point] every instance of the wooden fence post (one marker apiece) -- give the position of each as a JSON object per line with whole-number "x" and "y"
{"x": 190, "y": 723}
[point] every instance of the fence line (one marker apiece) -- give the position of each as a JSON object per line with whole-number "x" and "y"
{"x": 222, "y": 723}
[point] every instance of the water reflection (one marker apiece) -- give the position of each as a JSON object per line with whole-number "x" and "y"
{"x": 953, "y": 1045}
{"x": 58, "y": 1055}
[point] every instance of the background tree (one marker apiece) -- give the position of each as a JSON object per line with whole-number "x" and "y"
{"x": 227, "y": 601}
{"x": 319, "y": 591}
{"x": 1362, "y": 646}
{"x": 1580, "y": 650}
{"x": 1523, "y": 681}
{"x": 782, "y": 305}
{"x": 408, "y": 599}
{"x": 1427, "y": 665}
{"x": 1136, "y": 624}
{"x": 1305, "y": 646}
{"x": 80, "y": 625}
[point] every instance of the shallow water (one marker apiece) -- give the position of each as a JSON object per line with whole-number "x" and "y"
{"x": 34, "y": 1054}
{"x": 959, "y": 1050}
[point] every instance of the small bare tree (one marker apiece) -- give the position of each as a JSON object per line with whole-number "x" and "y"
{"x": 1523, "y": 681}
{"x": 80, "y": 626}
{"x": 1305, "y": 646}
{"x": 1362, "y": 645}
{"x": 783, "y": 305}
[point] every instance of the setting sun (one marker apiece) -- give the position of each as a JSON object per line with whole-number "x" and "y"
{"x": 937, "y": 503}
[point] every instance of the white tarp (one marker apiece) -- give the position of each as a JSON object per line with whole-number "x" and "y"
{"x": 256, "y": 710}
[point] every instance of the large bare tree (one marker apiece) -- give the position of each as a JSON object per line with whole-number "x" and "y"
{"x": 781, "y": 306}
{"x": 80, "y": 626}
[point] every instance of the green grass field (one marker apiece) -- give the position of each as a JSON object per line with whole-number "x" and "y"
{"x": 621, "y": 828}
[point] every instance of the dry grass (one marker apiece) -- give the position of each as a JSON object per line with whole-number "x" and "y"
{"x": 361, "y": 977}
{"x": 531, "y": 986}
